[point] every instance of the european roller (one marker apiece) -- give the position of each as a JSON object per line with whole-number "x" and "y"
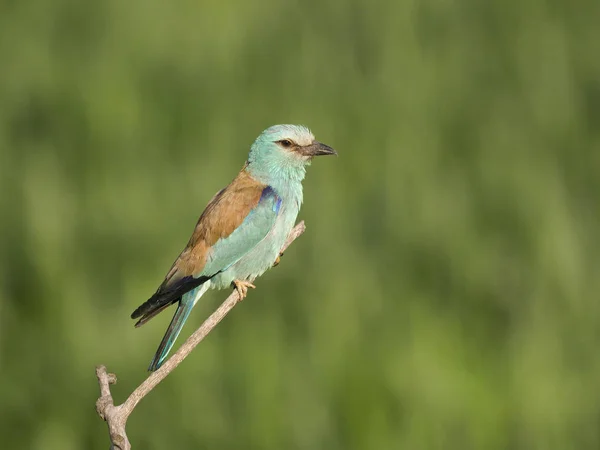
{"x": 241, "y": 231}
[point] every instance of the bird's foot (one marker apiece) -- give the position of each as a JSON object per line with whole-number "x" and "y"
{"x": 278, "y": 260}
{"x": 241, "y": 286}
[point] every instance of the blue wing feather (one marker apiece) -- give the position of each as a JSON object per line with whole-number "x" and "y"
{"x": 255, "y": 227}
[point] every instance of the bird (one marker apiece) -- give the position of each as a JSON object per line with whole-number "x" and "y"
{"x": 239, "y": 235}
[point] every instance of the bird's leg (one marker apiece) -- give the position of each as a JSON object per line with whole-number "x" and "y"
{"x": 242, "y": 287}
{"x": 278, "y": 260}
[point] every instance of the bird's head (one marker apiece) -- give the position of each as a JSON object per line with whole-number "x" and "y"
{"x": 284, "y": 151}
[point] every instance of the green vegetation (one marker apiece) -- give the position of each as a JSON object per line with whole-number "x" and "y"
{"x": 446, "y": 292}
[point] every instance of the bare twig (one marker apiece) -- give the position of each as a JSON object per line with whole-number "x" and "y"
{"x": 116, "y": 416}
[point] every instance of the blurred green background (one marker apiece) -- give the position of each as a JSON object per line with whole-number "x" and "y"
{"x": 446, "y": 292}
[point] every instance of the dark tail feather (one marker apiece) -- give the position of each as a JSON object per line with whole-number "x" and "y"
{"x": 146, "y": 317}
{"x": 151, "y": 307}
{"x": 164, "y": 297}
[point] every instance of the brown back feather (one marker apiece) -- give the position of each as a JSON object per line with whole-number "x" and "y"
{"x": 223, "y": 214}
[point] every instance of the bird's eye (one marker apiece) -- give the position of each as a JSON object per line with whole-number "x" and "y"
{"x": 285, "y": 143}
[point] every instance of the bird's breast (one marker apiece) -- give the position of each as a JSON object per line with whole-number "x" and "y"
{"x": 263, "y": 255}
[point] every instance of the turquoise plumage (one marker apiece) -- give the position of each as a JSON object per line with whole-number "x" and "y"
{"x": 240, "y": 233}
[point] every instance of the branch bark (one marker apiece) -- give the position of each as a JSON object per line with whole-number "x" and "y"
{"x": 116, "y": 415}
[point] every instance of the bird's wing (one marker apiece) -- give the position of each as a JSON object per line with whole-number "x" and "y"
{"x": 235, "y": 220}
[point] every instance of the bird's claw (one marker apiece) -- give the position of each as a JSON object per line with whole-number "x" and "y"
{"x": 241, "y": 286}
{"x": 277, "y": 261}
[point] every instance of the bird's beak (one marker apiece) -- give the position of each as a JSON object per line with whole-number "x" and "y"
{"x": 317, "y": 149}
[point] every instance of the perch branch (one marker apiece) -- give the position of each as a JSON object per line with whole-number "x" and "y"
{"x": 116, "y": 416}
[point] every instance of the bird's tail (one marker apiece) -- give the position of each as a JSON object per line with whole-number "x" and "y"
{"x": 184, "y": 307}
